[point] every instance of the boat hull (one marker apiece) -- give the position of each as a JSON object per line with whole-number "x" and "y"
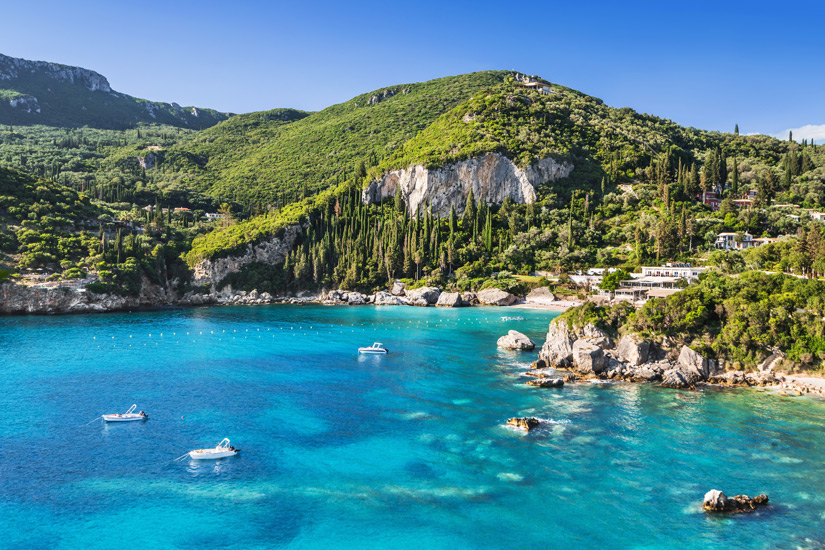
{"x": 211, "y": 455}
{"x": 373, "y": 351}
{"x": 124, "y": 418}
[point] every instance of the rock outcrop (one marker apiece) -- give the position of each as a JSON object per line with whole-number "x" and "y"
{"x": 588, "y": 358}
{"x": 557, "y": 350}
{"x": 540, "y": 296}
{"x": 272, "y": 250}
{"x": 398, "y": 288}
{"x": 469, "y": 298}
{"x": 495, "y": 297}
{"x": 516, "y": 340}
{"x": 492, "y": 178}
{"x": 525, "y": 423}
{"x": 717, "y": 501}
{"x": 633, "y": 350}
{"x": 387, "y": 299}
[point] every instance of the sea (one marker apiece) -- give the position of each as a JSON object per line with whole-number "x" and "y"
{"x": 409, "y": 450}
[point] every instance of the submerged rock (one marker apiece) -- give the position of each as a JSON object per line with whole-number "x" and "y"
{"x": 516, "y": 340}
{"x": 548, "y": 382}
{"x": 495, "y": 297}
{"x": 525, "y": 423}
{"x": 717, "y": 501}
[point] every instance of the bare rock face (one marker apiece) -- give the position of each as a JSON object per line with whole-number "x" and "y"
{"x": 633, "y": 350}
{"x": 398, "y": 288}
{"x": 495, "y": 297}
{"x": 516, "y": 340}
{"x": 424, "y": 296}
{"x": 691, "y": 361}
{"x": 588, "y": 358}
{"x": 492, "y": 178}
{"x": 525, "y": 423}
{"x": 270, "y": 251}
{"x": 717, "y": 501}
{"x": 449, "y": 299}
{"x": 557, "y": 350}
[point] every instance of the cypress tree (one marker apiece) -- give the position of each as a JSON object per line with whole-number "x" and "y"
{"x": 470, "y": 209}
{"x": 736, "y": 129}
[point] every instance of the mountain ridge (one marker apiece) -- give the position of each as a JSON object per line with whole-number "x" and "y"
{"x": 53, "y": 94}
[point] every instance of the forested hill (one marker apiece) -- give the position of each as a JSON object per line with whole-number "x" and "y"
{"x": 277, "y": 157}
{"x": 39, "y": 92}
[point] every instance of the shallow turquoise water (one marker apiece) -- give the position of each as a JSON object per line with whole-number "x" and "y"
{"x": 403, "y": 451}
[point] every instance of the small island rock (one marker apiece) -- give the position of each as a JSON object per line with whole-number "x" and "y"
{"x": 717, "y": 501}
{"x": 526, "y": 423}
{"x": 516, "y": 340}
{"x": 588, "y": 358}
{"x": 549, "y": 382}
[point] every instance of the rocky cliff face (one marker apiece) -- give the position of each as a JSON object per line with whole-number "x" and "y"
{"x": 15, "y": 299}
{"x": 11, "y": 68}
{"x": 492, "y": 177}
{"x": 271, "y": 251}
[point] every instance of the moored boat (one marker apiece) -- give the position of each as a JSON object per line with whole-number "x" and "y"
{"x": 375, "y": 348}
{"x": 128, "y": 416}
{"x": 222, "y": 450}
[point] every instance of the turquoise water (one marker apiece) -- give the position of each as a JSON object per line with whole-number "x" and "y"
{"x": 407, "y": 450}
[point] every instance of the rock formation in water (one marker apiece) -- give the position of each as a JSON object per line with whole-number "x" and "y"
{"x": 525, "y": 423}
{"x": 717, "y": 501}
{"x": 516, "y": 340}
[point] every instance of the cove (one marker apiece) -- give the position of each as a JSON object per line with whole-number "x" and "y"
{"x": 407, "y": 450}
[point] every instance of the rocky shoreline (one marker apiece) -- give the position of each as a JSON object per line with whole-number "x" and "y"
{"x": 21, "y": 299}
{"x": 589, "y": 353}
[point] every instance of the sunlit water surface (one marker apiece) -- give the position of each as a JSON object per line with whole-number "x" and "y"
{"x": 407, "y": 450}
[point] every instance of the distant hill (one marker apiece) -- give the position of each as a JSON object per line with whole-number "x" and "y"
{"x": 39, "y": 92}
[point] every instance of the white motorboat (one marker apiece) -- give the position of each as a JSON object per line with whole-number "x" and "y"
{"x": 128, "y": 416}
{"x": 375, "y": 348}
{"x": 223, "y": 450}
{"x": 512, "y": 318}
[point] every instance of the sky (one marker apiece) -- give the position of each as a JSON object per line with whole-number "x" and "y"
{"x": 705, "y": 64}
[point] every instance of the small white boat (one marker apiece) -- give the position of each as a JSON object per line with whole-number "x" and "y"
{"x": 375, "y": 348}
{"x": 512, "y": 318}
{"x": 128, "y": 416}
{"x": 223, "y": 450}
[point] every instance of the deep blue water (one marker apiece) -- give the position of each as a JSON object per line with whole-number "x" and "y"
{"x": 407, "y": 450}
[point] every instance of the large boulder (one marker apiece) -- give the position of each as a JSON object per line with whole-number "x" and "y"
{"x": 495, "y": 297}
{"x": 526, "y": 423}
{"x": 633, "y": 350}
{"x": 679, "y": 378}
{"x": 516, "y": 340}
{"x": 588, "y": 358}
{"x": 449, "y": 299}
{"x": 690, "y": 361}
{"x": 557, "y": 350}
{"x": 469, "y": 298}
{"x": 717, "y": 501}
{"x": 397, "y": 288}
{"x": 386, "y": 299}
{"x": 425, "y": 296}
{"x": 355, "y": 298}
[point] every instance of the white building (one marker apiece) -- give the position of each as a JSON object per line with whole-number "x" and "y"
{"x": 674, "y": 270}
{"x": 728, "y": 241}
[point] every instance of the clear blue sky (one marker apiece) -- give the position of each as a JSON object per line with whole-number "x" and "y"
{"x": 703, "y": 64}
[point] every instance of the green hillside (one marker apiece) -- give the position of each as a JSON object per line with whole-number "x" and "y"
{"x": 257, "y": 158}
{"x": 38, "y": 92}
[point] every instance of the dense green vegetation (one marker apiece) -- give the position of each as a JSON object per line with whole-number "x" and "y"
{"x": 34, "y": 92}
{"x": 270, "y": 159}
